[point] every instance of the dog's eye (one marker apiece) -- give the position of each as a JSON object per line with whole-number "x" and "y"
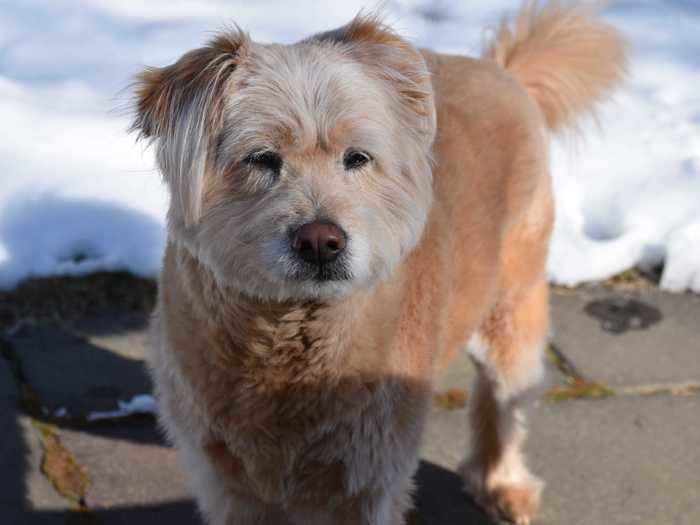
{"x": 355, "y": 159}
{"x": 265, "y": 160}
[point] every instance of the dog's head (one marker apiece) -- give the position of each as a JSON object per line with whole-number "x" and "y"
{"x": 296, "y": 172}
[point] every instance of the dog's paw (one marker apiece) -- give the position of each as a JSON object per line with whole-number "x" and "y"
{"x": 517, "y": 502}
{"x": 513, "y": 501}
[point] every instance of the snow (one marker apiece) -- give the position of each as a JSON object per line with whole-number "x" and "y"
{"x": 78, "y": 194}
{"x": 141, "y": 404}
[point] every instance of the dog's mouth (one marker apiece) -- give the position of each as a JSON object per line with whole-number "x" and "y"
{"x": 337, "y": 270}
{"x": 333, "y": 272}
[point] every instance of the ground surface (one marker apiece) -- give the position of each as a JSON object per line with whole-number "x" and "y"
{"x": 616, "y": 435}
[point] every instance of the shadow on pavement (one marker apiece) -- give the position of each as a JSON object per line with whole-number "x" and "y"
{"x": 173, "y": 513}
{"x": 439, "y": 501}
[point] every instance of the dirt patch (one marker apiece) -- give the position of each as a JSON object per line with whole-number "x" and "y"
{"x": 451, "y": 399}
{"x": 70, "y": 298}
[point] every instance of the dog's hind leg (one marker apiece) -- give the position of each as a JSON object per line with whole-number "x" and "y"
{"x": 508, "y": 353}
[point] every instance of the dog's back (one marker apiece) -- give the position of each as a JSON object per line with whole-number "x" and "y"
{"x": 544, "y": 69}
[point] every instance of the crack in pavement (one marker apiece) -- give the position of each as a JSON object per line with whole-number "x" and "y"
{"x": 562, "y": 363}
{"x": 59, "y": 465}
{"x": 685, "y": 388}
{"x": 578, "y": 386}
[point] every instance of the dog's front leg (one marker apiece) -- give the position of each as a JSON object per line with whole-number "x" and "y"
{"x": 212, "y": 469}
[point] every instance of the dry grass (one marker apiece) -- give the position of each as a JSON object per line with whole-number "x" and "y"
{"x": 61, "y": 467}
{"x": 451, "y": 399}
{"x": 69, "y": 298}
{"x": 632, "y": 279}
{"x": 579, "y": 389}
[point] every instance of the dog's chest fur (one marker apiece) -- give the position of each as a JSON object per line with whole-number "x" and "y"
{"x": 298, "y": 407}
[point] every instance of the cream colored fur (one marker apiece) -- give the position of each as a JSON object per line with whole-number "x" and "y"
{"x": 300, "y": 401}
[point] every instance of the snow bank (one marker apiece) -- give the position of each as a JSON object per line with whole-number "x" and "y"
{"x": 77, "y": 194}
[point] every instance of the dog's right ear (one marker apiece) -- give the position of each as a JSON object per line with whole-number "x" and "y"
{"x": 180, "y": 106}
{"x": 163, "y": 93}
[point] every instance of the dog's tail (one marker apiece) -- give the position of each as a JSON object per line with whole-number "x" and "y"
{"x": 566, "y": 59}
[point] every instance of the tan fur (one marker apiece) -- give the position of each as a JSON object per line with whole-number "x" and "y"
{"x": 296, "y": 402}
{"x": 566, "y": 59}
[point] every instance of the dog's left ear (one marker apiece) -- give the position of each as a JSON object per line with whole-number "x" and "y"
{"x": 180, "y": 107}
{"x": 395, "y": 60}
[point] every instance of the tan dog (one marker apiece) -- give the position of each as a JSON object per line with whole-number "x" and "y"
{"x": 347, "y": 213}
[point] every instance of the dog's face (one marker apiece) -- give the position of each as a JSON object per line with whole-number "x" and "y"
{"x": 296, "y": 172}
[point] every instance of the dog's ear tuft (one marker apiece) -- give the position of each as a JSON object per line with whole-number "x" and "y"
{"x": 365, "y": 27}
{"x": 162, "y": 93}
{"x": 181, "y": 107}
{"x": 370, "y": 41}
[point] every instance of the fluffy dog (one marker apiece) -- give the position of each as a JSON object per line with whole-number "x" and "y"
{"x": 346, "y": 214}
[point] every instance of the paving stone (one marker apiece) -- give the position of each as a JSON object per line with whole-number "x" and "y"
{"x": 630, "y": 461}
{"x": 124, "y": 335}
{"x": 445, "y": 439}
{"x": 129, "y": 466}
{"x": 40, "y": 494}
{"x": 84, "y": 370}
{"x": 616, "y": 338}
{"x": 623, "y": 461}
{"x": 460, "y": 373}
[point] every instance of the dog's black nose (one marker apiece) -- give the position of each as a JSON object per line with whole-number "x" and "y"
{"x": 319, "y": 242}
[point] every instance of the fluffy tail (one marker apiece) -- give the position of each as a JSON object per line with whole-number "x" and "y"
{"x": 566, "y": 59}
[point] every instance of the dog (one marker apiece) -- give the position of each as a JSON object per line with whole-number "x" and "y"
{"x": 347, "y": 213}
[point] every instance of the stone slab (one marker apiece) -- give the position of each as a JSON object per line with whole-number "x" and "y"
{"x": 83, "y": 371}
{"x": 622, "y": 461}
{"x": 129, "y": 466}
{"x": 629, "y": 338}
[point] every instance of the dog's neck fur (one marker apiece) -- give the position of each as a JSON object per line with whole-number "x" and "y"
{"x": 286, "y": 342}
